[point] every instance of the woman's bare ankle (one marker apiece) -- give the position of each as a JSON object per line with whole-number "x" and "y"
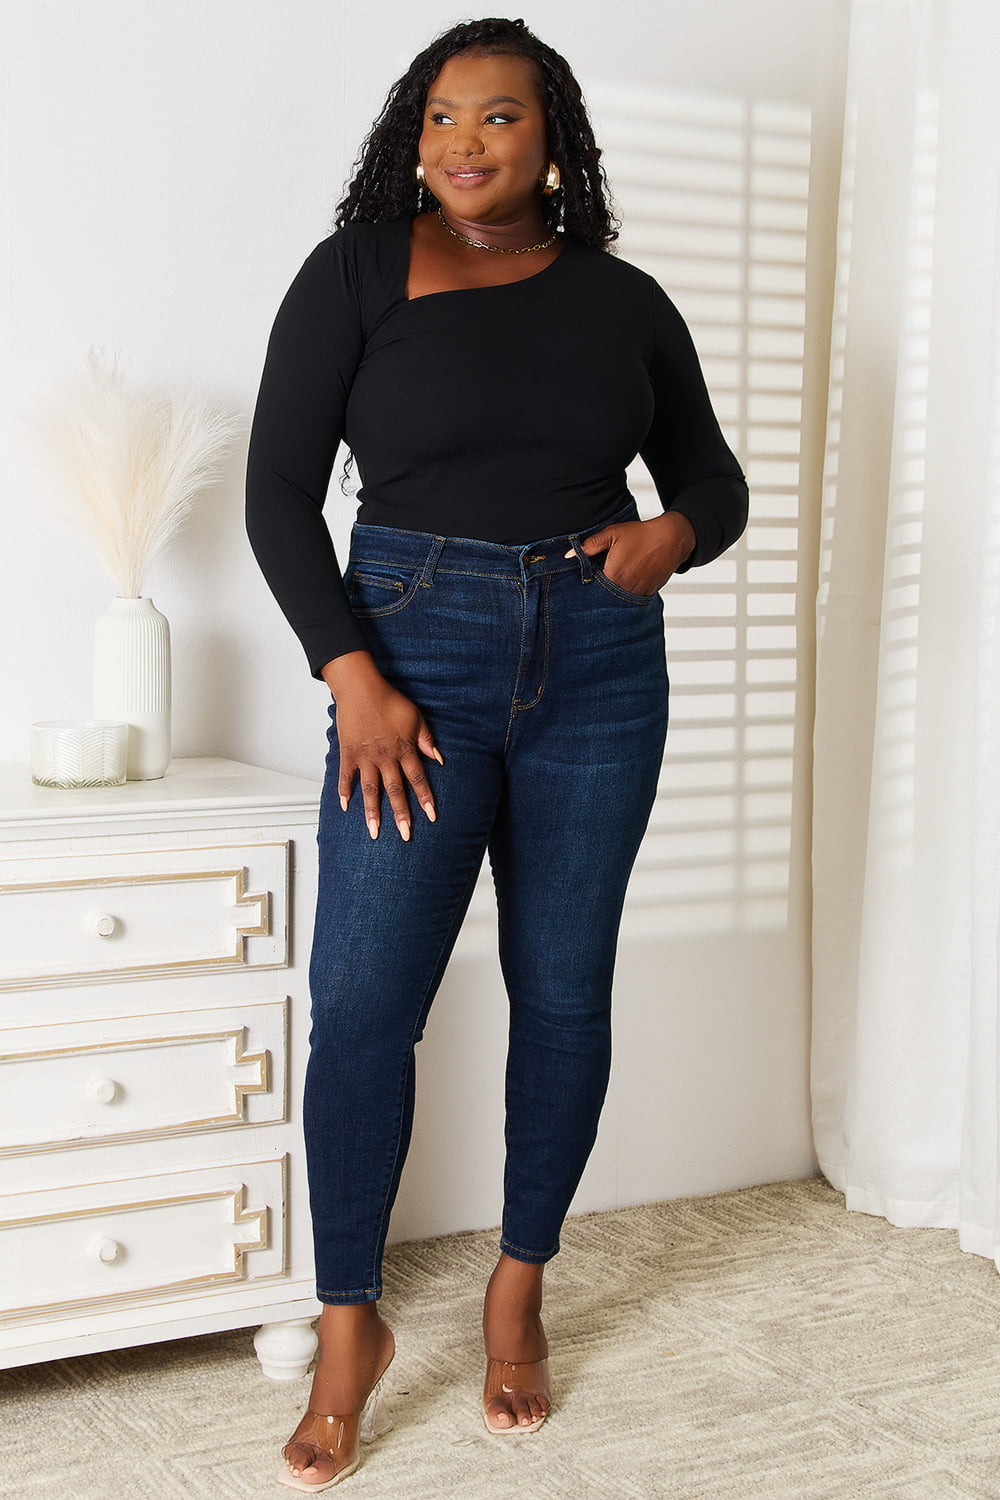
{"x": 348, "y": 1314}
{"x": 512, "y": 1307}
{"x": 355, "y": 1345}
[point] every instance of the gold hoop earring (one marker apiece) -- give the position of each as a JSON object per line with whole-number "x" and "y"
{"x": 420, "y": 173}
{"x": 552, "y": 181}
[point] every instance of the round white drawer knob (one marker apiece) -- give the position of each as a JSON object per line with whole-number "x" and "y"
{"x": 104, "y": 1090}
{"x": 107, "y": 1251}
{"x": 106, "y": 925}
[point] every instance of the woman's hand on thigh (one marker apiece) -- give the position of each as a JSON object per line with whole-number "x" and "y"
{"x": 381, "y": 734}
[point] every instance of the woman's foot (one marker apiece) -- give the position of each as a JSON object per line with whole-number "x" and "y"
{"x": 513, "y": 1332}
{"x": 355, "y": 1347}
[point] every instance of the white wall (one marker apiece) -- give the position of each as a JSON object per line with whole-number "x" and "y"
{"x": 167, "y": 173}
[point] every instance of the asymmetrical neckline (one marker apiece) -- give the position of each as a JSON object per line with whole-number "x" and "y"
{"x": 406, "y": 224}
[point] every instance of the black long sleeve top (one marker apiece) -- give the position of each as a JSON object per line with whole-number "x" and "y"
{"x": 505, "y": 413}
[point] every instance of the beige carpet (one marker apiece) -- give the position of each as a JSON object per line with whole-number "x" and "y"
{"x": 762, "y": 1342}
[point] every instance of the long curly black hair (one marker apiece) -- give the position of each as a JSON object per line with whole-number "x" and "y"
{"x": 385, "y": 187}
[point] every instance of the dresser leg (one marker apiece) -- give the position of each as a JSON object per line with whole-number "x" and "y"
{"x": 285, "y": 1350}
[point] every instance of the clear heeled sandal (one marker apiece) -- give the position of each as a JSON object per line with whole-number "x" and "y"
{"x": 529, "y": 1377}
{"x": 338, "y": 1438}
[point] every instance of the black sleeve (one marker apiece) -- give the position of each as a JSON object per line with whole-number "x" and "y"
{"x": 691, "y": 464}
{"x": 313, "y": 352}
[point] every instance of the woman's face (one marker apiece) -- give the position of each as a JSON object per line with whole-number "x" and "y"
{"x": 483, "y": 145}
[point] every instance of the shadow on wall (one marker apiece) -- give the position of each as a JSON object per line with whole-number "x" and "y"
{"x": 893, "y": 792}
{"x": 713, "y": 193}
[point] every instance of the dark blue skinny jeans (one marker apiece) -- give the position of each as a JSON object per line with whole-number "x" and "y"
{"x": 545, "y": 687}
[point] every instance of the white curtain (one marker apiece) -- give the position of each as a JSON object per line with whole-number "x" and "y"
{"x": 907, "y": 741}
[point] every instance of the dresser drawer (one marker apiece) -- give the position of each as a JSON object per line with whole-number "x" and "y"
{"x": 82, "y": 1083}
{"x": 70, "y": 918}
{"x": 106, "y": 1243}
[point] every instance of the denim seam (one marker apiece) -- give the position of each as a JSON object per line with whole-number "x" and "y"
{"x": 522, "y": 707}
{"x": 386, "y": 1206}
{"x": 520, "y": 659}
{"x": 511, "y": 577}
{"x": 502, "y": 946}
{"x": 502, "y": 937}
{"x": 431, "y": 561}
{"x": 472, "y": 573}
{"x": 382, "y": 583}
{"x": 505, "y": 1243}
{"x": 502, "y": 943}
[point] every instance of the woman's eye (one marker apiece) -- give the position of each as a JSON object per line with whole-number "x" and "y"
{"x": 440, "y": 119}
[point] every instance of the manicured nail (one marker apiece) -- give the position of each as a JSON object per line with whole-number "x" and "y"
{"x": 373, "y": 827}
{"x": 438, "y": 756}
{"x": 404, "y": 829}
{"x": 428, "y": 809}
{"x": 569, "y": 553}
{"x": 343, "y": 803}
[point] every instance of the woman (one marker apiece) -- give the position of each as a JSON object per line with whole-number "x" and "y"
{"x": 494, "y": 652}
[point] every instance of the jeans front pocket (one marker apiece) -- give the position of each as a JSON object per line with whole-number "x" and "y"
{"x": 375, "y": 588}
{"x": 624, "y": 594}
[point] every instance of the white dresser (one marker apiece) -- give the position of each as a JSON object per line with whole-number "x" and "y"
{"x": 154, "y": 1020}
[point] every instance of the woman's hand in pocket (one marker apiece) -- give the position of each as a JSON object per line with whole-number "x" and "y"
{"x": 381, "y": 734}
{"x": 643, "y": 555}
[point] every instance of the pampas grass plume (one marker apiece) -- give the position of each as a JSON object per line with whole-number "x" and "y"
{"x": 134, "y": 461}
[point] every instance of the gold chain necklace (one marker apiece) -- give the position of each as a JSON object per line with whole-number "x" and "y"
{"x": 498, "y": 249}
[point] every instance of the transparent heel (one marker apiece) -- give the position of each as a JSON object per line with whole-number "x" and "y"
{"x": 375, "y": 1418}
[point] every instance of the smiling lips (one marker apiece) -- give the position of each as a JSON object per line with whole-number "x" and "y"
{"x": 465, "y": 177}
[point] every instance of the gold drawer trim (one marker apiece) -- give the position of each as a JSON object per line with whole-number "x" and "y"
{"x": 243, "y": 897}
{"x": 260, "y": 1085}
{"x": 258, "y": 1220}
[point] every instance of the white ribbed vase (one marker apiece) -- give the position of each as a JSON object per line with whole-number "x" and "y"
{"x": 131, "y": 681}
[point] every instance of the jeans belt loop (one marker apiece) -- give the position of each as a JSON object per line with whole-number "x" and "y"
{"x": 586, "y": 566}
{"x": 427, "y": 575}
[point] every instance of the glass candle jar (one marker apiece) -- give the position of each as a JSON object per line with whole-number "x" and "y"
{"x": 79, "y": 752}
